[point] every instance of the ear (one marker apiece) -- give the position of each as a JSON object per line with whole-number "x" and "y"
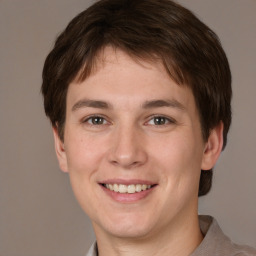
{"x": 213, "y": 147}
{"x": 60, "y": 151}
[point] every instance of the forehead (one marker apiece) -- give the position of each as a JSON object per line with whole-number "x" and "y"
{"x": 119, "y": 77}
{"x": 109, "y": 57}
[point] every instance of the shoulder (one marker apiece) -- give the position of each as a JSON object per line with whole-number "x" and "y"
{"x": 242, "y": 250}
{"x": 216, "y": 243}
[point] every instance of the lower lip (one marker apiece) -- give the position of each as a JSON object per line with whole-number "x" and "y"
{"x": 126, "y": 197}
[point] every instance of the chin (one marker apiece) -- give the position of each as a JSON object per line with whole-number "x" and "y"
{"x": 134, "y": 231}
{"x": 127, "y": 226}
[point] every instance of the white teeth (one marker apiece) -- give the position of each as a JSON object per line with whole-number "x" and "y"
{"x": 144, "y": 187}
{"x": 138, "y": 188}
{"x": 123, "y": 189}
{"x": 116, "y": 188}
{"x": 131, "y": 189}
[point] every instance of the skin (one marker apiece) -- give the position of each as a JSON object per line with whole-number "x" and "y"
{"x": 112, "y": 132}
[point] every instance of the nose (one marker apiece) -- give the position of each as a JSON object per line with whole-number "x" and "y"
{"x": 127, "y": 147}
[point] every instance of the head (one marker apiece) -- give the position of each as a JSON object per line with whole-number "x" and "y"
{"x": 147, "y": 30}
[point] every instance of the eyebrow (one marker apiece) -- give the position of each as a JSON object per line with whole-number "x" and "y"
{"x": 91, "y": 104}
{"x": 163, "y": 103}
{"x": 146, "y": 105}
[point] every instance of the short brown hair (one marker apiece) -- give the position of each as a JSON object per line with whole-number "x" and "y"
{"x": 146, "y": 29}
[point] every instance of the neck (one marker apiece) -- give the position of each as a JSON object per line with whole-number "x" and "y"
{"x": 180, "y": 239}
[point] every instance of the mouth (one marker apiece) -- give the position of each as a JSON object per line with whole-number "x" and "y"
{"x": 127, "y": 189}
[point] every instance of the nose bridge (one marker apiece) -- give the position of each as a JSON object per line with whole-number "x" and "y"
{"x": 127, "y": 148}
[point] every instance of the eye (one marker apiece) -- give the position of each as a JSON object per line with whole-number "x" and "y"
{"x": 160, "y": 120}
{"x": 95, "y": 120}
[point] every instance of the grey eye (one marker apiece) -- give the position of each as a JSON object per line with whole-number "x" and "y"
{"x": 96, "y": 120}
{"x": 159, "y": 120}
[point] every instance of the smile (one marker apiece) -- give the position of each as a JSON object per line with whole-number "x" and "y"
{"x": 127, "y": 189}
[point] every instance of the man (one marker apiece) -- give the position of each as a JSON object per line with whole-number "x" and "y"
{"x": 138, "y": 94}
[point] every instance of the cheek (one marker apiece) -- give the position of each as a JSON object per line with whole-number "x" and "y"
{"x": 84, "y": 154}
{"x": 179, "y": 157}
{"x": 176, "y": 149}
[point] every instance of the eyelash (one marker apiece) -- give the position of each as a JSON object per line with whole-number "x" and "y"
{"x": 90, "y": 118}
{"x": 167, "y": 120}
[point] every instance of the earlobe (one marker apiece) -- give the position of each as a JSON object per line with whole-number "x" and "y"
{"x": 213, "y": 147}
{"x": 60, "y": 151}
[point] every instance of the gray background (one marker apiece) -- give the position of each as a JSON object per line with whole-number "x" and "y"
{"x": 38, "y": 213}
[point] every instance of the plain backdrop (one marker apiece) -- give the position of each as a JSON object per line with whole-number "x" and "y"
{"x": 38, "y": 213}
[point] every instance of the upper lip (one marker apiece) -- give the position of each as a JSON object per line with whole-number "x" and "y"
{"x": 127, "y": 181}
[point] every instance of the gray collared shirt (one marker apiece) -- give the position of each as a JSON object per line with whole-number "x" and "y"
{"x": 215, "y": 243}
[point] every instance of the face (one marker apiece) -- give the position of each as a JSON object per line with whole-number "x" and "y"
{"x": 133, "y": 147}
